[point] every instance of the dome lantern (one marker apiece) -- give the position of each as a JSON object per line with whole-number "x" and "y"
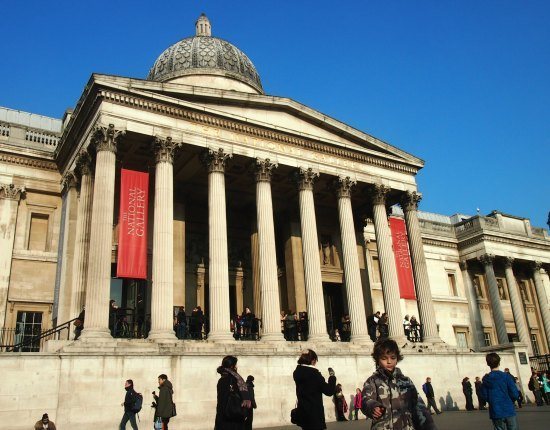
{"x": 202, "y": 26}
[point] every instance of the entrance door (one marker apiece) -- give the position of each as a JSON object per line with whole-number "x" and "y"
{"x": 334, "y": 307}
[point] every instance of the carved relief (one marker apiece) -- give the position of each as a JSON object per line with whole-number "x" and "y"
{"x": 215, "y": 161}
{"x": 305, "y": 178}
{"x": 106, "y": 138}
{"x": 264, "y": 169}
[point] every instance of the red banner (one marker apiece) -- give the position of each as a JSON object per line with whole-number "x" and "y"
{"x": 132, "y": 228}
{"x": 402, "y": 258}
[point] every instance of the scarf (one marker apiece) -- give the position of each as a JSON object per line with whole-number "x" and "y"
{"x": 241, "y": 385}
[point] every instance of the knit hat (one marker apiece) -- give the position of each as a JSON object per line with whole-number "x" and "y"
{"x": 45, "y": 417}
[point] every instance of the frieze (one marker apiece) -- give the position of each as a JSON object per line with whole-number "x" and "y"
{"x": 22, "y": 161}
{"x": 435, "y": 242}
{"x": 255, "y": 131}
{"x": 531, "y": 243}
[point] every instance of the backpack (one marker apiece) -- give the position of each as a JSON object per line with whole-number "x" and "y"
{"x": 138, "y": 403}
{"x": 531, "y": 384}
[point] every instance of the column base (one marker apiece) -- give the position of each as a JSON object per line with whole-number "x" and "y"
{"x": 96, "y": 335}
{"x": 361, "y": 339}
{"x": 319, "y": 338}
{"x": 162, "y": 336}
{"x": 221, "y": 337}
{"x": 434, "y": 340}
{"x": 272, "y": 337}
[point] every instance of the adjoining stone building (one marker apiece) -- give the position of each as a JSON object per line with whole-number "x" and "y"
{"x": 256, "y": 201}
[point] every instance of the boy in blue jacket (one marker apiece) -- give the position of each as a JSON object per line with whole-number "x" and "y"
{"x": 499, "y": 390}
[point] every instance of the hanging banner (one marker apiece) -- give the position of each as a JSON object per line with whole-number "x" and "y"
{"x": 402, "y": 258}
{"x": 132, "y": 227}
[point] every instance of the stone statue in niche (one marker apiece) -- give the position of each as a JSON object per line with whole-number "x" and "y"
{"x": 501, "y": 293}
{"x": 477, "y": 286}
{"x": 326, "y": 247}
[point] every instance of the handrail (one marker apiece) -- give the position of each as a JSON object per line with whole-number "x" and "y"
{"x": 37, "y": 338}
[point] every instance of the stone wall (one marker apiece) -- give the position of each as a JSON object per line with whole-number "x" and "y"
{"x": 85, "y": 389}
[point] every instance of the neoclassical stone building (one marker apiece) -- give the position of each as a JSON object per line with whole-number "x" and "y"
{"x": 255, "y": 200}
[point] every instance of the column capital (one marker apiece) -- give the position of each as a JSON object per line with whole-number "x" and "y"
{"x": 164, "y": 149}
{"x": 69, "y": 180}
{"x": 263, "y": 169}
{"x": 215, "y": 160}
{"x": 487, "y": 259}
{"x": 463, "y": 264}
{"x": 343, "y": 185}
{"x": 305, "y": 178}
{"x": 378, "y": 193}
{"x": 508, "y": 262}
{"x": 536, "y": 266}
{"x": 106, "y": 138}
{"x": 83, "y": 163}
{"x": 409, "y": 200}
{"x": 11, "y": 191}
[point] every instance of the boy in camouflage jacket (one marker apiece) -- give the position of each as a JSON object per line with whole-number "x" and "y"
{"x": 390, "y": 398}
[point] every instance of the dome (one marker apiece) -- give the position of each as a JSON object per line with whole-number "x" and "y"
{"x": 205, "y": 55}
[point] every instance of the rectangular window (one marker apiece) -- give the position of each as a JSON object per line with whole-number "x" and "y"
{"x": 535, "y": 344}
{"x": 487, "y": 338}
{"x": 375, "y": 270}
{"x": 461, "y": 339}
{"x": 27, "y": 327}
{"x": 38, "y": 232}
{"x": 452, "y": 284}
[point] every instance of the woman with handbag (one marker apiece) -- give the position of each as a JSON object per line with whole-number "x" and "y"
{"x": 234, "y": 400}
{"x": 310, "y": 387}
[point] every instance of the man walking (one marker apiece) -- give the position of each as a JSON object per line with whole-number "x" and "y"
{"x": 430, "y": 396}
{"x": 165, "y": 405}
{"x": 129, "y": 405}
{"x": 499, "y": 390}
{"x": 535, "y": 386}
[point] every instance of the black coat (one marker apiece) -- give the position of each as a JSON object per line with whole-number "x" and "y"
{"x": 223, "y": 389}
{"x": 129, "y": 400}
{"x": 165, "y": 403}
{"x": 310, "y": 387}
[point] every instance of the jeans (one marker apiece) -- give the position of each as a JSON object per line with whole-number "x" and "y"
{"x": 432, "y": 404}
{"x": 128, "y": 416}
{"x": 509, "y": 423}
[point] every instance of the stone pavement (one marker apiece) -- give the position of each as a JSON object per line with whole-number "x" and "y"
{"x": 529, "y": 418}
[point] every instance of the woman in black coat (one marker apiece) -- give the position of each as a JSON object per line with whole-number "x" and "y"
{"x": 231, "y": 381}
{"x": 468, "y": 391}
{"x": 310, "y": 387}
{"x": 250, "y": 418}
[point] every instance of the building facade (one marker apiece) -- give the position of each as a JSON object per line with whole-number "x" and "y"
{"x": 255, "y": 201}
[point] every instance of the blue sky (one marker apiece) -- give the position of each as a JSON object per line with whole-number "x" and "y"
{"x": 463, "y": 85}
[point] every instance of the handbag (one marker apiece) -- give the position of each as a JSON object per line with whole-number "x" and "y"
{"x": 173, "y": 410}
{"x": 296, "y": 416}
{"x": 233, "y": 410}
{"x": 157, "y": 425}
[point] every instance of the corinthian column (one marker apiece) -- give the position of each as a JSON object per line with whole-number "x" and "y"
{"x": 426, "y": 309}
{"x": 388, "y": 271}
{"x": 10, "y": 195}
{"x": 517, "y": 307}
{"x": 162, "y": 299}
{"x": 269, "y": 284}
{"x": 352, "y": 274}
{"x": 543, "y": 300}
{"x": 96, "y": 323}
{"x": 473, "y": 308}
{"x": 218, "y": 269}
{"x": 312, "y": 263}
{"x": 498, "y": 316}
{"x": 82, "y": 237}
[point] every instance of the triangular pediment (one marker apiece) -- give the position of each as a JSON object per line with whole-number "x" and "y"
{"x": 279, "y": 114}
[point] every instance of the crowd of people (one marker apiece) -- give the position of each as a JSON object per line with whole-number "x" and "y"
{"x": 377, "y": 326}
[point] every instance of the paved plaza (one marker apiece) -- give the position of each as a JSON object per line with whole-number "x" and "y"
{"x": 529, "y": 418}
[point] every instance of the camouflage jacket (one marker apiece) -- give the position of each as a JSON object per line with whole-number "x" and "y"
{"x": 397, "y": 393}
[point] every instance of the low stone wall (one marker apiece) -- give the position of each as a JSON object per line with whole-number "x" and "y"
{"x": 83, "y": 387}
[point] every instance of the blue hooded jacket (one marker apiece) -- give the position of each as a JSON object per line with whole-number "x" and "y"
{"x": 499, "y": 390}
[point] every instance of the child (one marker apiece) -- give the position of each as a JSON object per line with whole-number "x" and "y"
{"x": 500, "y": 391}
{"x": 389, "y": 397}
